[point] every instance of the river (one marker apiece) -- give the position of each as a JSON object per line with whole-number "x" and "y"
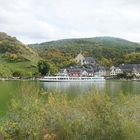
{"x": 9, "y": 89}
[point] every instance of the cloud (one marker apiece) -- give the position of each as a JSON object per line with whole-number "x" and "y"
{"x": 36, "y": 21}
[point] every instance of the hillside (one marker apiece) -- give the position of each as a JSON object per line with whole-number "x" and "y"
{"x": 19, "y": 59}
{"x": 15, "y": 57}
{"x": 108, "y": 50}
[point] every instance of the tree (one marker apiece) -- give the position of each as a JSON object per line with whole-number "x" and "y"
{"x": 106, "y": 62}
{"x": 43, "y": 67}
{"x": 18, "y": 73}
{"x": 11, "y": 56}
{"x": 53, "y": 69}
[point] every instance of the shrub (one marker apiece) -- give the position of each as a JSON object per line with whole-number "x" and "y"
{"x": 26, "y": 117}
{"x": 92, "y": 116}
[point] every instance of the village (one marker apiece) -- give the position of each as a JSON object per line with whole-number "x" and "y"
{"x": 89, "y": 66}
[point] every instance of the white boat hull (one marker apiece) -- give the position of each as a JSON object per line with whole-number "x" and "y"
{"x": 72, "y": 79}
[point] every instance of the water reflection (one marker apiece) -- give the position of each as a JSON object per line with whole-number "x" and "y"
{"x": 9, "y": 89}
{"x": 73, "y": 87}
{"x": 109, "y": 87}
{"x": 125, "y": 87}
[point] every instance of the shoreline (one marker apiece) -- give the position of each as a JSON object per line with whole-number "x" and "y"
{"x": 36, "y": 79}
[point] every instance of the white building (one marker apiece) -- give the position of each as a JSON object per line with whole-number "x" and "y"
{"x": 115, "y": 70}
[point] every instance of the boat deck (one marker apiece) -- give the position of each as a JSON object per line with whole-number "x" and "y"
{"x": 70, "y": 79}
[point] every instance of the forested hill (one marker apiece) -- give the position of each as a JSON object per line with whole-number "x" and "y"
{"x": 103, "y": 40}
{"x": 10, "y": 44}
{"x": 108, "y": 50}
{"x": 15, "y": 57}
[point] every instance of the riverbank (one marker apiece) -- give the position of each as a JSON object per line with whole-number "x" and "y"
{"x": 122, "y": 79}
{"x": 16, "y": 79}
{"x": 33, "y": 78}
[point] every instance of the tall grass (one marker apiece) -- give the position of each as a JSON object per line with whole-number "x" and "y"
{"x": 92, "y": 116}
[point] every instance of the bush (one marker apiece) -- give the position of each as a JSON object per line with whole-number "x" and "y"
{"x": 26, "y": 117}
{"x": 17, "y": 73}
{"x": 92, "y": 116}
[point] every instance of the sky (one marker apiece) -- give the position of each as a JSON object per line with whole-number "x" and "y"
{"x": 36, "y": 21}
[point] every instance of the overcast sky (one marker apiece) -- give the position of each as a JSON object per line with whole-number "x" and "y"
{"x": 44, "y": 20}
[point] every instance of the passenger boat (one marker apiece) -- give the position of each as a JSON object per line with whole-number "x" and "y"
{"x": 136, "y": 79}
{"x": 71, "y": 79}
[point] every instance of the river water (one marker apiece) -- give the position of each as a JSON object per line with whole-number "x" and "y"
{"x": 9, "y": 89}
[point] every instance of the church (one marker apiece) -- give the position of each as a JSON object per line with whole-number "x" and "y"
{"x": 80, "y": 59}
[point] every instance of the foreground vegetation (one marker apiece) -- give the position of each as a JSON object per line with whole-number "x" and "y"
{"x": 36, "y": 115}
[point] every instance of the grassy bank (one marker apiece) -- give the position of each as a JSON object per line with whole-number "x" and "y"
{"x": 35, "y": 115}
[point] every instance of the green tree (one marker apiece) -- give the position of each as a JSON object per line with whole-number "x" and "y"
{"x": 106, "y": 62}
{"x": 53, "y": 69}
{"x": 18, "y": 73}
{"x": 43, "y": 67}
